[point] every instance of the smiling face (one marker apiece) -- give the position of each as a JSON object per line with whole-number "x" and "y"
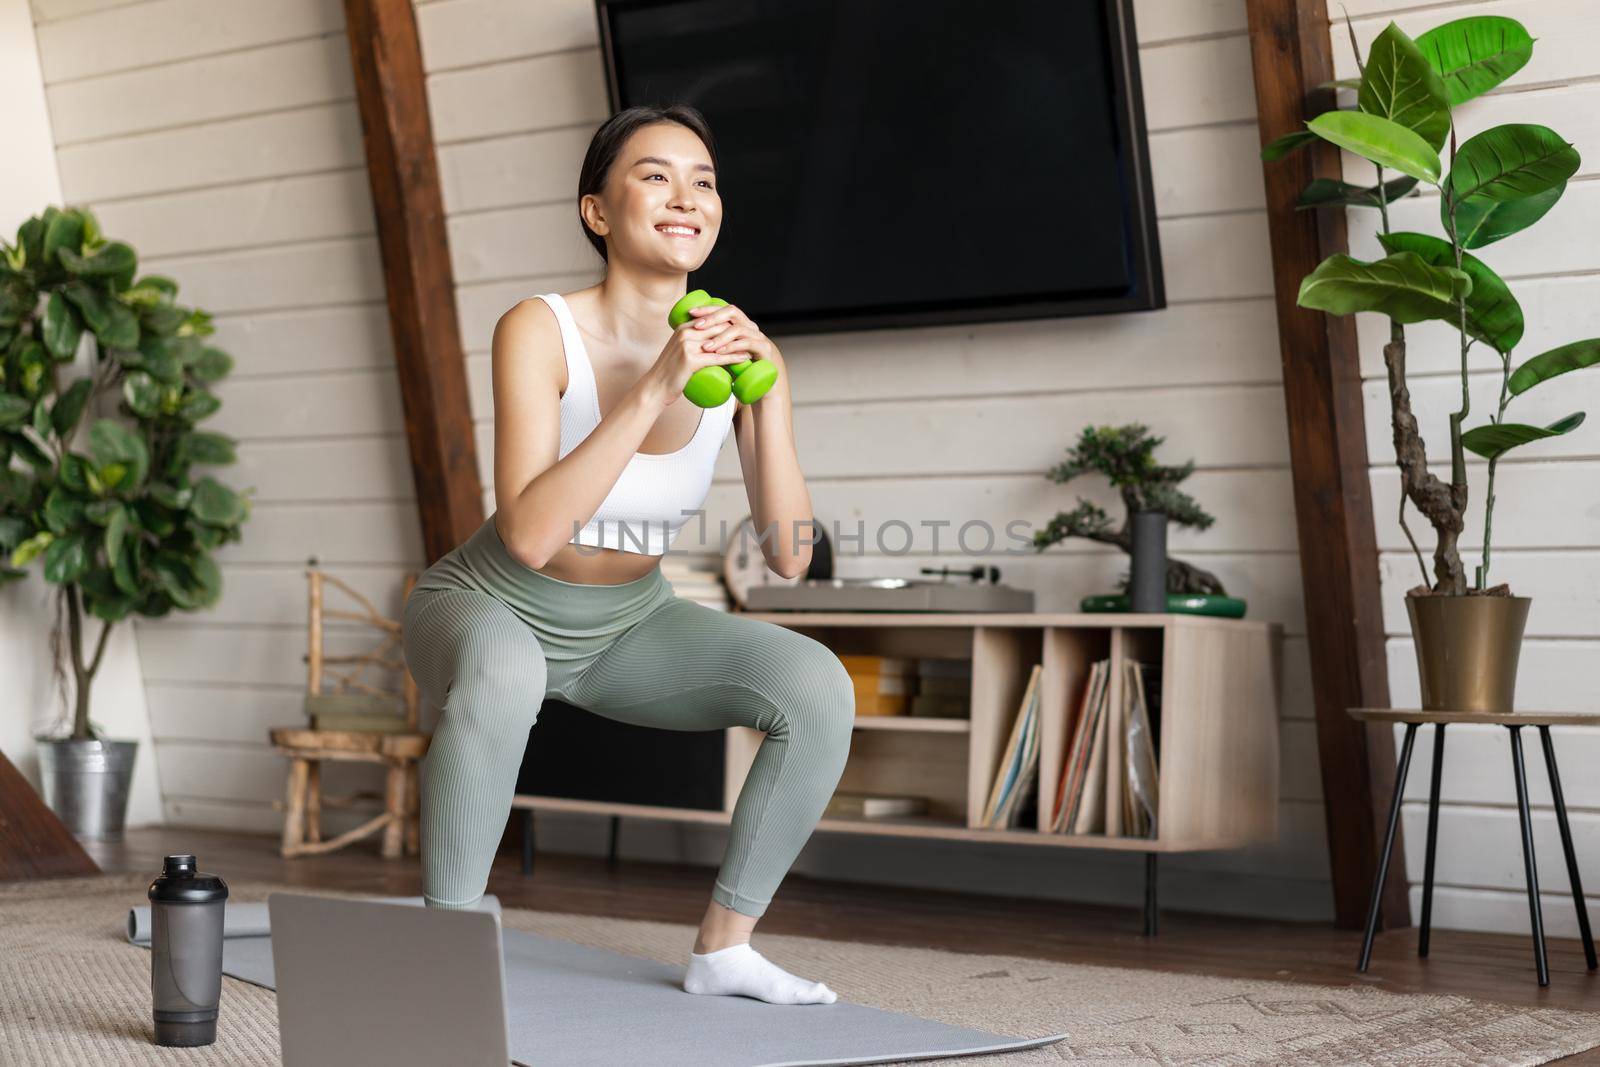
{"x": 660, "y": 207}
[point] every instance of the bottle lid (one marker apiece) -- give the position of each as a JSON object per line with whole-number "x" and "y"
{"x": 181, "y": 882}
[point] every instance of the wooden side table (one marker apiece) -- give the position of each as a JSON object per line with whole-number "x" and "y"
{"x": 1514, "y": 723}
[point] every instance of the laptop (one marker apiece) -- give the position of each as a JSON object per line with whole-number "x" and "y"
{"x": 369, "y": 982}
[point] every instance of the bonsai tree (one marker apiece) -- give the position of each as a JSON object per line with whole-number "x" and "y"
{"x": 1125, "y": 455}
{"x": 1499, "y": 182}
{"x": 114, "y": 511}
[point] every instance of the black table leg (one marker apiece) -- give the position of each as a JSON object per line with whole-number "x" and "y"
{"x": 1541, "y": 965}
{"x": 1388, "y": 845}
{"x": 1149, "y": 894}
{"x": 527, "y": 841}
{"x": 611, "y": 852}
{"x": 1433, "y": 838}
{"x": 1566, "y": 846}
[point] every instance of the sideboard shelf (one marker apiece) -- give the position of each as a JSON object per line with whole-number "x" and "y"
{"x": 1217, "y": 738}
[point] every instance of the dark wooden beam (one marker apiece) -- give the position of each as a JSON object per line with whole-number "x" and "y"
{"x": 1291, "y": 54}
{"x": 404, "y": 174}
{"x": 34, "y": 843}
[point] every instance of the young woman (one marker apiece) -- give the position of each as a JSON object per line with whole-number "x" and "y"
{"x": 559, "y": 593}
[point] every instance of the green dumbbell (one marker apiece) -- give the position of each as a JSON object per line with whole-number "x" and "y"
{"x": 710, "y": 387}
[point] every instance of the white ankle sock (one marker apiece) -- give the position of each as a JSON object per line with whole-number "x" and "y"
{"x": 741, "y": 970}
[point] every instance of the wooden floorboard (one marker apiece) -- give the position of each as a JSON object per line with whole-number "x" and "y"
{"x": 1488, "y": 966}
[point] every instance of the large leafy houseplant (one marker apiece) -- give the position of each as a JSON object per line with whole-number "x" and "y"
{"x": 111, "y": 506}
{"x": 1497, "y": 183}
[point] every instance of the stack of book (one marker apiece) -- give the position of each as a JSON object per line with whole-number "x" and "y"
{"x": 359, "y": 712}
{"x": 883, "y": 683}
{"x": 1019, "y": 764}
{"x": 873, "y": 805}
{"x": 1108, "y": 782}
{"x": 696, "y": 578}
{"x": 944, "y": 689}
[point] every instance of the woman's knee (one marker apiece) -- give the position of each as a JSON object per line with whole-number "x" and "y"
{"x": 507, "y": 676}
{"x": 824, "y": 703}
{"x": 470, "y": 655}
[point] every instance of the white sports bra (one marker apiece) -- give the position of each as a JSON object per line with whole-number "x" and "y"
{"x": 656, "y": 491}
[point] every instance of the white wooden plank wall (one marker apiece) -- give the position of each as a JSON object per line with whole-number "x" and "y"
{"x": 1547, "y": 513}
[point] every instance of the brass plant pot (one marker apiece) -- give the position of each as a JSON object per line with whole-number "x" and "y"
{"x": 1467, "y": 648}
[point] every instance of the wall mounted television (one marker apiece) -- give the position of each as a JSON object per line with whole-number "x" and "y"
{"x": 884, "y": 163}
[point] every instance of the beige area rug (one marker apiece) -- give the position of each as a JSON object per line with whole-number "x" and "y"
{"x": 74, "y": 991}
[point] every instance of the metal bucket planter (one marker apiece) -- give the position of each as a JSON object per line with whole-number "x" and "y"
{"x": 86, "y": 784}
{"x": 1467, "y": 650}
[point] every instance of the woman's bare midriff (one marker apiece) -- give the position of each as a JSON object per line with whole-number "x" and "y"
{"x": 589, "y": 565}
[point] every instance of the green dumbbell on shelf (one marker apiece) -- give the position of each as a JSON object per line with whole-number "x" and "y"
{"x": 710, "y": 387}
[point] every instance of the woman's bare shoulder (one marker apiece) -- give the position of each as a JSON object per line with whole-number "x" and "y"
{"x": 527, "y": 338}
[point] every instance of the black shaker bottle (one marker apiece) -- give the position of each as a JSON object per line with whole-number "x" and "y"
{"x": 186, "y": 952}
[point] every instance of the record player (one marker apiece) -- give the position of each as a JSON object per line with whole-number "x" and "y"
{"x": 754, "y": 587}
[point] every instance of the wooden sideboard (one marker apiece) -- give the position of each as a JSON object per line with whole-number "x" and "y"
{"x": 1217, "y": 743}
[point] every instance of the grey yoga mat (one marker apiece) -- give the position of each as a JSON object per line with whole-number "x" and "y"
{"x": 575, "y": 1005}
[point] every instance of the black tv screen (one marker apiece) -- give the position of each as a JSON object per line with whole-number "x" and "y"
{"x": 885, "y": 163}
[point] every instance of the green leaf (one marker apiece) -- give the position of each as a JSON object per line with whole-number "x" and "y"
{"x": 1480, "y": 222}
{"x": 64, "y": 232}
{"x": 111, "y": 442}
{"x": 66, "y": 558}
{"x": 111, "y": 261}
{"x": 62, "y": 510}
{"x": 13, "y": 410}
{"x": 12, "y": 531}
{"x": 125, "y": 566}
{"x": 32, "y": 453}
{"x": 1403, "y": 286}
{"x": 1381, "y": 140}
{"x": 175, "y": 576}
{"x": 1328, "y": 192}
{"x": 30, "y": 241}
{"x": 1510, "y": 162}
{"x": 198, "y": 405}
{"x": 211, "y": 448}
{"x": 1546, "y": 365}
{"x": 69, "y": 407}
{"x": 216, "y": 505}
{"x": 1473, "y": 55}
{"x": 77, "y": 472}
{"x": 213, "y": 365}
{"x": 1398, "y": 84}
{"x": 62, "y": 330}
{"x": 25, "y": 552}
{"x": 35, "y": 363}
{"x": 142, "y": 393}
{"x": 1279, "y": 147}
{"x": 111, "y": 320}
{"x": 1493, "y": 314}
{"x": 116, "y": 530}
{"x": 1495, "y": 439}
{"x": 171, "y": 496}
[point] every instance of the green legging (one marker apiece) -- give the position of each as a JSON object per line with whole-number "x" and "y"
{"x": 487, "y": 638}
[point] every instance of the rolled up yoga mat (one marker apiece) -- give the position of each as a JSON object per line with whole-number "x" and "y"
{"x": 580, "y": 1006}
{"x": 250, "y": 919}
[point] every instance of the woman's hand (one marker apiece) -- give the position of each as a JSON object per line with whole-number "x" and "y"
{"x": 730, "y": 332}
{"x": 686, "y": 351}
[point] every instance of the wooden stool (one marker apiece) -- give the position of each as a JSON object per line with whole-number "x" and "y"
{"x": 399, "y": 747}
{"x": 1513, "y": 722}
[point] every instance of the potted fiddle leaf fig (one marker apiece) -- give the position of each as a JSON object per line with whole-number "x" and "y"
{"x": 1490, "y": 185}
{"x": 109, "y": 502}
